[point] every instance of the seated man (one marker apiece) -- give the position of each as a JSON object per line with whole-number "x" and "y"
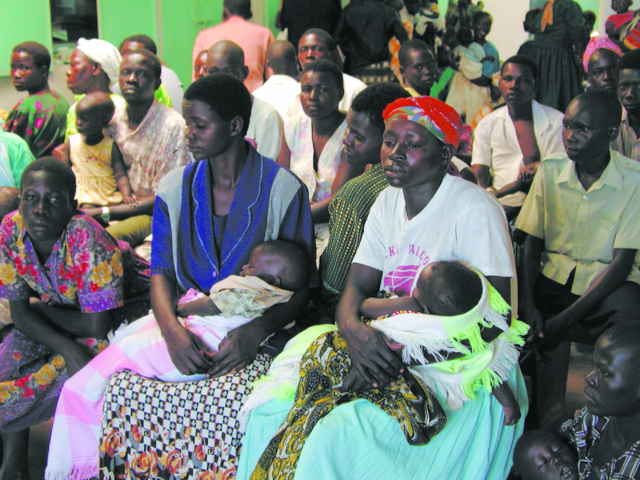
{"x": 170, "y": 92}
{"x": 628, "y": 90}
{"x": 316, "y": 44}
{"x": 265, "y": 127}
{"x": 281, "y": 88}
{"x": 151, "y": 139}
{"x": 510, "y": 142}
{"x": 582, "y": 220}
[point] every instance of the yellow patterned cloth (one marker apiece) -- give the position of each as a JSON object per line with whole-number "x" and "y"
{"x": 324, "y": 367}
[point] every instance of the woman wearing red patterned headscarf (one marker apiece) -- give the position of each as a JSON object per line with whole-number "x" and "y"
{"x": 424, "y": 216}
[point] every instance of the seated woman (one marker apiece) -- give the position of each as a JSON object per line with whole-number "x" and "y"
{"x": 41, "y": 118}
{"x": 208, "y": 217}
{"x": 604, "y": 436}
{"x": 313, "y": 142}
{"x": 68, "y": 283}
{"x": 425, "y": 216}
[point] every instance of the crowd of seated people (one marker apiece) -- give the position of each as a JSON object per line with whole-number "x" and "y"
{"x": 282, "y": 271}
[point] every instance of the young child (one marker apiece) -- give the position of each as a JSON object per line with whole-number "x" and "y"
{"x": 615, "y": 24}
{"x": 482, "y": 22}
{"x": 273, "y": 267}
{"x": 464, "y": 95}
{"x": 95, "y": 158}
{"x": 540, "y": 455}
{"x": 456, "y": 303}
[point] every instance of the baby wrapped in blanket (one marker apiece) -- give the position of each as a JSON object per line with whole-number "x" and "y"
{"x": 443, "y": 349}
{"x": 234, "y": 301}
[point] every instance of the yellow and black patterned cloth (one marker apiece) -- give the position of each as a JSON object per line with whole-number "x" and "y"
{"x": 324, "y": 367}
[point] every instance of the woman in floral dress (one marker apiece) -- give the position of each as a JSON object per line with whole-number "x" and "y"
{"x": 68, "y": 283}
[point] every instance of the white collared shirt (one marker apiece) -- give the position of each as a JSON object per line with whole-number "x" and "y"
{"x": 280, "y": 91}
{"x": 495, "y": 144}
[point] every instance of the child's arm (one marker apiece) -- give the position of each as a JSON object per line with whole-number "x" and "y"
{"x": 66, "y": 158}
{"x": 120, "y": 174}
{"x": 376, "y": 307}
{"x": 202, "y": 306}
{"x": 505, "y": 396}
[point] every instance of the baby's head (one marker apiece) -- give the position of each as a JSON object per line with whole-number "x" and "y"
{"x": 279, "y": 263}
{"x": 539, "y": 455}
{"x": 464, "y": 36}
{"x": 93, "y": 114}
{"x": 447, "y": 289}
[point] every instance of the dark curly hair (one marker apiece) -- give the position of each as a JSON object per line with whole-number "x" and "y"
{"x": 39, "y": 53}
{"x": 374, "y": 99}
{"x": 56, "y": 167}
{"x": 225, "y": 95}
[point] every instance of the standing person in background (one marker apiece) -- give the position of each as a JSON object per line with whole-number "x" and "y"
{"x": 298, "y": 16}
{"x": 253, "y": 39}
{"x": 170, "y": 92}
{"x": 482, "y": 22}
{"x": 94, "y": 66}
{"x": 40, "y": 119}
{"x": 280, "y": 89}
{"x": 364, "y": 33}
{"x": 559, "y": 37}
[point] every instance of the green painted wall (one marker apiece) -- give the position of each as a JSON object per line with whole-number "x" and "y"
{"x": 593, "y": 5}
{"x": 120, "y": 18}
{"x": 16, "y": 28}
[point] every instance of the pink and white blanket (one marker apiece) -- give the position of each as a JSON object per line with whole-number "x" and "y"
{"x": 140, "y": 347}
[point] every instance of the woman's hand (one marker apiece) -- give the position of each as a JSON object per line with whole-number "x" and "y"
{"x": 75, "y": 358}
{"x": 237, "y": 351}
{"x": 371, "y": 357}
{"x": 188, "y": 352}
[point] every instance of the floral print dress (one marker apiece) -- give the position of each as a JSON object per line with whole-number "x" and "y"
{"x": 88, "y": 271}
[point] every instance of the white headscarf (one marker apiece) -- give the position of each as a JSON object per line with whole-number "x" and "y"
{"x": 102, "y": 52}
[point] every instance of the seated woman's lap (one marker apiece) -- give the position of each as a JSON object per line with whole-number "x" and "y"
{"x": 358, "y": 440}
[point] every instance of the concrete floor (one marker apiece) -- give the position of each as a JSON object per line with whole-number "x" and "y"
{"x": 580, "y": 366}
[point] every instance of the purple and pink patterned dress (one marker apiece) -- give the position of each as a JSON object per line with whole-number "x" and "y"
{"x": 88, "y": 270}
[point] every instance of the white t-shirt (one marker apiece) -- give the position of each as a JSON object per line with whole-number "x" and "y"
{"x": 461, "y": 222}
{"x": 265, "y": 129}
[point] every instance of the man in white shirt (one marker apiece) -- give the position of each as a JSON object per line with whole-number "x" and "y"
{"x": 265, "y": 127}
{"x": 316, "y": 44}
{"x": 281, "y": 88}
{"x": 509, "y": 143}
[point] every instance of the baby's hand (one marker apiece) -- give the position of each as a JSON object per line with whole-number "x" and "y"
{"x": 511, "y": 415}
{"x": 131, "y": 200}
